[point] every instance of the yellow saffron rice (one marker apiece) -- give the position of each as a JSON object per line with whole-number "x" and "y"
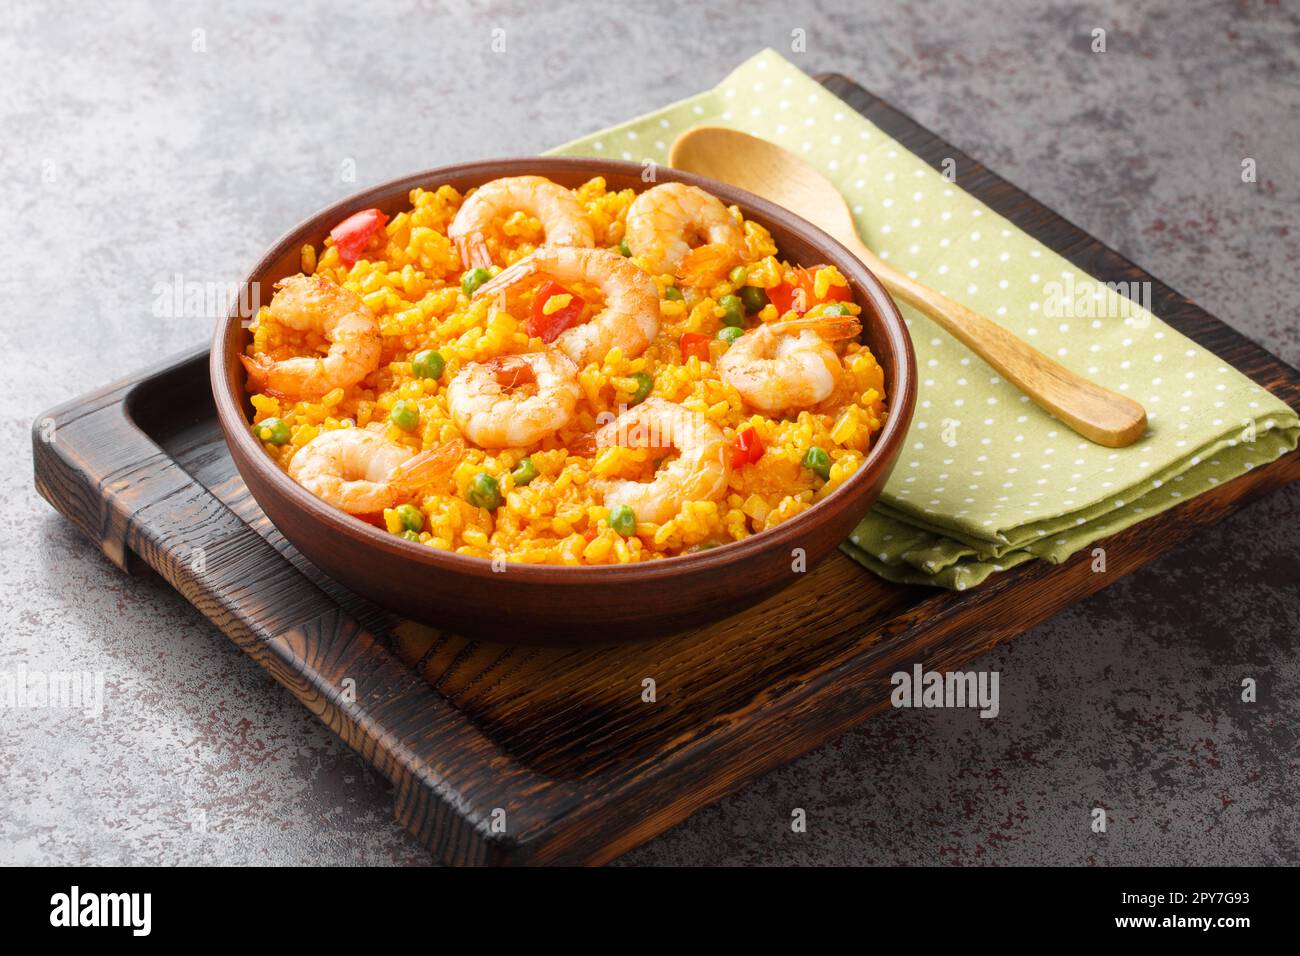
{"x": 410, "y": 277}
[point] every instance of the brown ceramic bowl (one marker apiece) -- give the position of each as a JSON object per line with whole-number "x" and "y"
{"x": 547, "y": 604}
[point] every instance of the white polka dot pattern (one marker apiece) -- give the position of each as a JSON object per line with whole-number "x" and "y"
{"x": 987, "y": 480}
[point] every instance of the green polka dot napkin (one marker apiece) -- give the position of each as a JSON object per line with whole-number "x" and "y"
{"x": 987, "y": 480}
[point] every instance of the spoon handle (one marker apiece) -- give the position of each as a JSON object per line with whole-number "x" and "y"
{"x": 1096, "y": 413}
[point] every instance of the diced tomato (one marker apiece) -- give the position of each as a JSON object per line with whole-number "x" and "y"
{"x": 695, "y": 343}
{"x": 351, "y": 235}
{"x": 839, "y": 293}
{"x": 548, "y": 327}
{"x": 782, "y": 296}
{"x": 746, "y": 449}
{"x": 836, "y": 293}
{"x": 799, "y": 295}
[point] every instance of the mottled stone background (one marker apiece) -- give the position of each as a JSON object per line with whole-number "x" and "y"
{"x": 127, "y": 157}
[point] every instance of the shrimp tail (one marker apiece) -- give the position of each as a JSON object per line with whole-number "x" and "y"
{"x": 506, "y": 278}
{"x": 829, "y": 327}
{"x": 584, "y": 446}
{"x": 258, "y": 368}
{"x": 706, "y": 265}
{"x": 473, "y": 250}
{"x": 428, "y": 466}
{"x": 260, "y": 372}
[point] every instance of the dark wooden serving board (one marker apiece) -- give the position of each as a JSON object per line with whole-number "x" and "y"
{"x": 502, "y": 754}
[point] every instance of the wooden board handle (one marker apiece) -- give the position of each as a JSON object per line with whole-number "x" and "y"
{"x": 106, "y": 475}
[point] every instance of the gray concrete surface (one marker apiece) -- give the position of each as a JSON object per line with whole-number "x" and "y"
{"x": 126, "y": 156}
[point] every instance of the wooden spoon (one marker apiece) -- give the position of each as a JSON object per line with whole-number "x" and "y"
{"x": 769, "y": 171}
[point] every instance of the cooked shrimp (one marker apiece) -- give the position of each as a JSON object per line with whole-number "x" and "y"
{"x": 699, "y": 472}
{"x": 557, "y": 208}
{"x": 787, "y": 365}
{"x": 663, "y": 221}
{"x": 316, "y": 303}
{"x": 630, "y": 316}
{"x": 361, "y": 472}
{"x": 514, "y": 400}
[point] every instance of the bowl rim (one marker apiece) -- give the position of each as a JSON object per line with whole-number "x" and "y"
{"x": 900, "y": 401}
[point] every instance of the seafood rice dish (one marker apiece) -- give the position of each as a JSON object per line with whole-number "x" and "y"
{"x": 540, "y": 374}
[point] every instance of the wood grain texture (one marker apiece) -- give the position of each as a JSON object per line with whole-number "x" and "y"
{"x": 559, "y": 739}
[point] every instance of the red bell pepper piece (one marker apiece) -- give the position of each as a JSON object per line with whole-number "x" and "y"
{"x": 351, "y": 235}
{"x": 798, "y": 294}
{"x": 747, "y": 448}
{"x": 836, "y": 293}
{"x": 783, "y": 297}
{"x": 695, "y": 343}
{"x": 548, "y": 327}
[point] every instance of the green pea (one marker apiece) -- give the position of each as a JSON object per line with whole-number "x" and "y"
{"x": 754, "y": 298}
{"x": 817, "y": 459}
{"x": 673, "y": 294}
{"x": 405, "y": 415}
{"x": 738, "y": 275}
{"x": 624, "y": 248}
{"x": 623, "y": 520}
{"x": 272, "y": 430}
{"x": 643, "y": 385}
{"x": 471, "y": 280}
{"x": 411, "y": 516}
{"x": 729, "y": 333}
{"x": 411, "y": 536}
{"x": 523, "y": 473}
{"x": 733, "y": 309}
{"x": 484, "y": 492}
{"x": 836, "y": 308}
{"x": 428, "y": 364}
